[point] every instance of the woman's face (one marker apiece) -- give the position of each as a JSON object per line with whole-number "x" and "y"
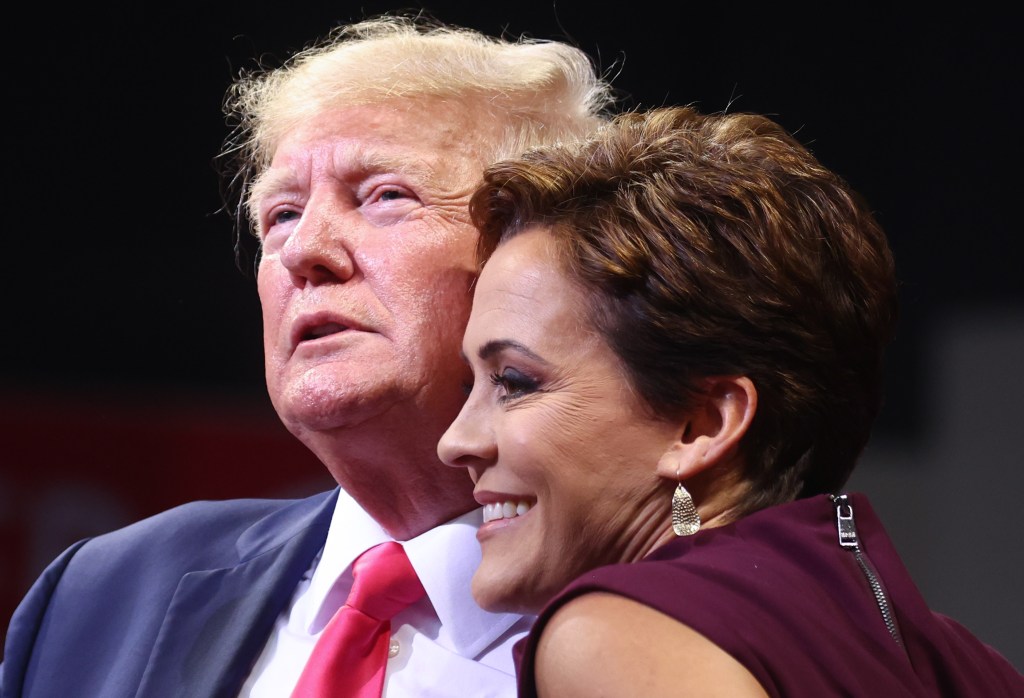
{"x": 561, "y": 450}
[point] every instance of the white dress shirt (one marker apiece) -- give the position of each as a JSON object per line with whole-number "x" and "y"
{"x": 446, "y": 644}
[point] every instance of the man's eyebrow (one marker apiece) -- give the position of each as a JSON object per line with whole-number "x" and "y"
{"x": 269, "y": 182}
{"x": 360, "y": 163}
{"x": 367, "y": 163}
{"x": 498, "y": 345}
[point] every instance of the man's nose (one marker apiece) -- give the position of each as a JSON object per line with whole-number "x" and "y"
{"x": 320, "y": 250}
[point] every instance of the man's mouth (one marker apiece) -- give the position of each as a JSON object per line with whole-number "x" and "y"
{"x": 323, "y": 330}
{"x": 505, "y": 510}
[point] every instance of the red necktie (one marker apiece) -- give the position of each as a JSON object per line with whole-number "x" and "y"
{"x": 349, "y": 659}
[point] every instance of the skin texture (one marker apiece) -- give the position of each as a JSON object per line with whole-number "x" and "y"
{"x": 531, "y": 431}
{"x": 368, "y": 259}
{"x": 553, "y": 421}
{"x": 606, "y": 645}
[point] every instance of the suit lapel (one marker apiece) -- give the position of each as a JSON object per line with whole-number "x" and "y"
{"x": 219, "y": 620}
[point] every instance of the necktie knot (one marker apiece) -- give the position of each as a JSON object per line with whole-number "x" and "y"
{"x": 350, "y": 657}
{"x": 384, "y": 582}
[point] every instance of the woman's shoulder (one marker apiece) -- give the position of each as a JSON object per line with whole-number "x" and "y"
{"x": 753, "y": 591}
{"x": 601, "y": 644}
{"x": 756, "y": 559}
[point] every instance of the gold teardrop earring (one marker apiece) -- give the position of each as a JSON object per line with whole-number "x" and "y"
{"x": 685, "y": 519}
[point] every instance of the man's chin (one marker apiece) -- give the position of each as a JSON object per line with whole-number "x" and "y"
{"x": 317, "y": 403}
{"x": 307, "y": 419}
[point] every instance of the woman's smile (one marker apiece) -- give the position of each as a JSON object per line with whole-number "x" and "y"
{"x": 552, "y": 433}
{"x": 509, "y": 509}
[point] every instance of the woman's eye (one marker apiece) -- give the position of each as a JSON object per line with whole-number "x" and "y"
{"x": 514, "y": 384}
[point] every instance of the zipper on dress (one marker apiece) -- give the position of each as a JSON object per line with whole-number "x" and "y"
{"x": 848, "y": 540}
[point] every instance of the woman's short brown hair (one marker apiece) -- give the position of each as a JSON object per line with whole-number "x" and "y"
{"x": 718, "y": 245}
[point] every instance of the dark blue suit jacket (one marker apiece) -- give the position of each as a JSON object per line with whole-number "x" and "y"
{"x": 180, "y": 604}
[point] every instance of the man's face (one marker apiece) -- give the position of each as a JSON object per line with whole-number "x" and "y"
{"x": 368, "y": 258}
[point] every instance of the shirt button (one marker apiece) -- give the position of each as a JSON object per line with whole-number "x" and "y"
{"x": 393, "y": 648}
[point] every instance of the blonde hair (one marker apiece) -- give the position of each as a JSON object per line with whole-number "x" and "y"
{"x": 543, "y": 92}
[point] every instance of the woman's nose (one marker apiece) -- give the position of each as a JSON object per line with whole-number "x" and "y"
{"x": 469, "y": 440}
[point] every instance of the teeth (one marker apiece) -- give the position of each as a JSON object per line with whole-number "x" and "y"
{"x": 505, "y": 510}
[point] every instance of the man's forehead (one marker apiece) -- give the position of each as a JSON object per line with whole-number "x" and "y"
{"x": 350, "y": 160}
{"x": 423, "y": 141}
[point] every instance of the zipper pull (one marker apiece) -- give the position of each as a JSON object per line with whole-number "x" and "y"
{"x": 844, "y": 522}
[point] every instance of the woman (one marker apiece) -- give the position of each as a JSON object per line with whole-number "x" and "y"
{"x": 690, "y": 309}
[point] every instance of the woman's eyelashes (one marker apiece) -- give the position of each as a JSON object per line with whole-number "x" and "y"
{"x": 513, "y": 384}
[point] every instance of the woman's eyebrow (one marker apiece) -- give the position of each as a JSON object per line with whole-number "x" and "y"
{"x": 498, "y": 345}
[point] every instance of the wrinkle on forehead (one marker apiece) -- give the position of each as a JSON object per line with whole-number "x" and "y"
{"x": 523, "y": 284}
{"x": 353, "y": 161}
{"x": 517, "y": 284}
{"x": 515, "y": 271}
{"x": 433, "y": 145}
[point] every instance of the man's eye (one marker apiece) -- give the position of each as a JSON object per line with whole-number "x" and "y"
{"x": 514, "y": 384}
{"x": 392, "y": 195}
{"x": 284, "y": 216}
{"x": 386, "y": 204}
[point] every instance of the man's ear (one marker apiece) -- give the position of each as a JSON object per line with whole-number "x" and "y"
{"x": 711, "y": 431}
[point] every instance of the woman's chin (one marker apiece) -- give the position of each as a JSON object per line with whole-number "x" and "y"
{"x": 504, "y": 594}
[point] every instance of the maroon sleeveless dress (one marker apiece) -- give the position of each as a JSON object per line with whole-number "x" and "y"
{"x": 806, "y": 614}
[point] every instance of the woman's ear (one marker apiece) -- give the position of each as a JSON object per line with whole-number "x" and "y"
{"x": 711, "y": 431}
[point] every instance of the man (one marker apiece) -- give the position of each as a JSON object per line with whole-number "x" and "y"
{"x": 358, "y": 159}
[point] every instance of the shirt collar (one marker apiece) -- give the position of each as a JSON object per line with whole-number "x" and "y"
{"x": 445, "y": 558}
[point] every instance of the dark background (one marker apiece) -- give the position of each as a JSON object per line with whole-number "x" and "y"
{"x": 131, "y": 373}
